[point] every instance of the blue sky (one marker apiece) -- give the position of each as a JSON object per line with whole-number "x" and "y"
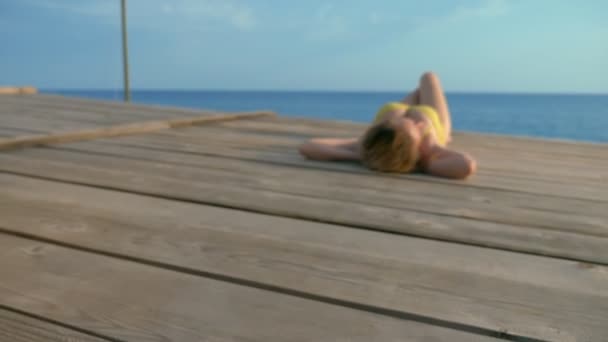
{"x": 474, "y": 45}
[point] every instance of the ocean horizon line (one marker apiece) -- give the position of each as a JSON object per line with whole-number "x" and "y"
{"x": 313, "y": 91}
{"x": 573, "y": 116}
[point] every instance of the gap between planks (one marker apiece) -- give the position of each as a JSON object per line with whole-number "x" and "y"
{"x": 134, "y": 234}
{"x": 21, "y": 326}
{"x": 558, "y": 244}
{"x": 138, "y": 302}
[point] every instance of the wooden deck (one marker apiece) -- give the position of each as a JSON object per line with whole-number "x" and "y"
{"x": 224, "y": 233}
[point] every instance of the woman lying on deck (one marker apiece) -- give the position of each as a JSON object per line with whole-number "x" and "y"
{"x": 405, "y": 136}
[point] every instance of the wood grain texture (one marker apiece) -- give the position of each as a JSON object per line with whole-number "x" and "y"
{"x": 288, "y": 126}
{"x": 134, "y": 302}
{"x": 43, "y": 124}
{"x": 495, "y": 290}
{"x": 15, "y": 327}
{"x": 530, "y": 195}
{"x": 41, "y": 115}
{"x": 79, "y": 109}
{"x": 528, "y": 176}
{"x": 523, "y": 161}
{"x": 97, "y": 114}
{"x": 120, "y": 130}
{"x": 49, "y": 113}
{"x": 488, "y": 205}
{"x": 513, "y": 168}
{"x": 570, "y": 178}
{"x": 190, "y": 183}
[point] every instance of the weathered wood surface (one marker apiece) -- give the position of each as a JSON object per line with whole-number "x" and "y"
{"x": 495, "y": 290}
{"x": 128, "y": 129}
{"x": 558, "y": 169}
{"x": 133, "y": 302}
{"x": 90, "y": 110}
{"x": 283, "y": 192}
{"x": 17, "y": 327}
{"x": 317, "y": 181}
{"x": 430, "y": 268}
{"x": 559, "y": 200}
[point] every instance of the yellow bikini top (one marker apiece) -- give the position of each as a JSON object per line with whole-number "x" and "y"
{"x": 427, "y": 111}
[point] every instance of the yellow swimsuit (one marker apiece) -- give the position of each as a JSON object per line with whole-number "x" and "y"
{"x": 429, "y": 112}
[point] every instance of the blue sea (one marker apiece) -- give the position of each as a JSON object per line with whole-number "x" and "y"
{"x": 570, "y": 117}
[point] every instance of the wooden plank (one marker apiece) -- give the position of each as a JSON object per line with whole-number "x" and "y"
{"x": 120, "y": 130}
{"x": 470, "y": 141}
{"x": 514, "y": 155}
{"x": 568, "y": 148}
{"x": 510, "y": 164}
{"x": 288, "y": 126}
{"x": 310, "y": 127}
{"x": 16, "y": 327}
{"x": 42, "y": 113}
{"x": 188, "y": 183}
{"x": 118, "y": 105}
{"x": 130, "y": 301}
{"x": 307, "y": 127}
{"x": 6, "y": 132}
{"x": 52, "y": 113}
{"x": 22, "y": 122}
{"x": 533, "y": 170}
{"x": 58, "y": 102}
{"x": 539, "y": 166}
{"x": 528, "y": 176}
{"x": 583, "y": 183}
{"x": 487, "y": 159}
{"x": 577, "y": 216}
{"x": 574, "y": 176}
{"x": 11, "y": 132}
{"x": 64, "y": 111}
{"x": 41, "y": 116}
{"x": 518, "y": 294}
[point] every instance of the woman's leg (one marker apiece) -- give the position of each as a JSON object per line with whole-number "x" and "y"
{"x": 431, "y": 94}
{"x": 412, "y": 98}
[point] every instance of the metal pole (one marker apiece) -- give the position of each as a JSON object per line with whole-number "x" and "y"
{"x": 125, "y": 50}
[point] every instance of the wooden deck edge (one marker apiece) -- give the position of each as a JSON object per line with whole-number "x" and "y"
{"x": 292, "y": 118}
{"x": 26, "y": 90}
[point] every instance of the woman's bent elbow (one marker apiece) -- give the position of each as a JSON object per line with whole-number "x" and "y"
{"x": 304, "y": 149}
{"x": 313, "y": 151}
{"x": 470, "y": 168}
{"x": 467, "y": 167}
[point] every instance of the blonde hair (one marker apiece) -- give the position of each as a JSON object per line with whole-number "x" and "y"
{"x": 386, "y": 149}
